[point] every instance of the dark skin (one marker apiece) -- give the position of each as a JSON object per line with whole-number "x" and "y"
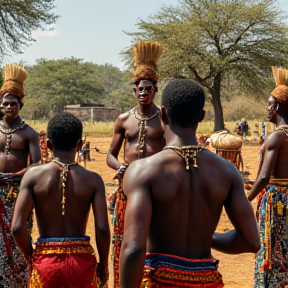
{"x": 126, "y": 130}
{"x": 41, "y": 188}
{"x": 275, "y": 151}
{"x": 160, "y": 191}
{"x": 24, "y": 147}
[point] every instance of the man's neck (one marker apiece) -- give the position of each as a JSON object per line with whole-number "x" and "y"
{"x": 178, "y": 136}
{"x": 145, "y": 110}
{"x": 66, "y": 157}
{"x": 11, "y": 122}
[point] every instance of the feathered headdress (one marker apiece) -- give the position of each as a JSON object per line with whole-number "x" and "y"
{"x": 146, "y": 57}
{"x": 280, "y": 93}
{"x": 13, "y": 80}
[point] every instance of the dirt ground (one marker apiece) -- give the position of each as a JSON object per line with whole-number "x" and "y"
{"x": 237, "y": 270}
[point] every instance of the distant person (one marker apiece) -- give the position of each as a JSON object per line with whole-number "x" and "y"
{"x": 244, "y": 128}
{"x": 19, "y": 148}
{"x": 84, "y": 153}
{"x": 62, "y": 193}
{"x": 139, "y": 130}
{"x": 272, "y": 187}
{"x": 174, "y": 203}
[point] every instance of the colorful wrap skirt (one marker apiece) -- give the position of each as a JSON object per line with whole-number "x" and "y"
{"x": 163, "y": 270}
{"x": 13, "y": 266}
{"x": 118, "y": 231}
{"x": 271, "y": 269}
{"x": 63, "y": 262}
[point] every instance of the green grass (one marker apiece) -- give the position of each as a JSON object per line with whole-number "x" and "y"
{"x": 106, "y": 128}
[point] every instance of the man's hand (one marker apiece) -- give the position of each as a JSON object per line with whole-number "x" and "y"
{"x": 102, "y": 275}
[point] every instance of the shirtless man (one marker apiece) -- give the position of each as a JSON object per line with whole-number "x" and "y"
{"x": 62, "y": 193}
{"x": 272, "y": 187}
{"x": 174, "y": 202}
{"x": 19, "y": 147}
{"x": 141, "y": 131}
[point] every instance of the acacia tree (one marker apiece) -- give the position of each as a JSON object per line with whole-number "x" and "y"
{"x": 19, "y": 18}
{"x": 222, "y": 44}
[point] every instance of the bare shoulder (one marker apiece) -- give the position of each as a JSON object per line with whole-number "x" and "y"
{"x": 124, "y": 116}
{"x": 30, "y": 132}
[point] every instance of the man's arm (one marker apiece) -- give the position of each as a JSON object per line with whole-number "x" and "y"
{"x": 102, "y": 230}
{"x": 34, "y": 147}
{"x": 245, "y": 236}
{"x": 22, "y": 210}
{"x": 271, "y": 149}
{"x": 116, "y": 144}
{"x": 136, "y": 225}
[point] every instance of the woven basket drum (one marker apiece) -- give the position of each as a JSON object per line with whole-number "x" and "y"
{"x": 225, "y": 141}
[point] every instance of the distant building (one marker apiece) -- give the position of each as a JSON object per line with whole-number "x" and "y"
{"x": 93, "y": 113}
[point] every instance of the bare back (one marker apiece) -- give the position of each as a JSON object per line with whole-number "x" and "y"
{"x": 81, "y": 190}
{"x": 186, "y": 205}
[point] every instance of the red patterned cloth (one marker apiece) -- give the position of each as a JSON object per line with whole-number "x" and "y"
{"x": 63, "y": 262}
{"x": 163, "y": 270}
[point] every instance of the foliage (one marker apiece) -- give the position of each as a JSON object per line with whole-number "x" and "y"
{"x": 19, "y": 18}
{"x": 222, "y": 44}
{"x": 52, "y": 84}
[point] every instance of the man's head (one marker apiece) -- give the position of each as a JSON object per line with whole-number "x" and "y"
{"x": 146, "y": 57}
{"x": 65, "y": 131}
{"x": 183, "y": 101}
{"x": 10, "y": 106}
{"x": 14, "y": 77}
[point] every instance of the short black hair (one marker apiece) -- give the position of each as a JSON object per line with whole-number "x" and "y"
{"x": 64, "y": 130}
{"x": 184, "y": 102}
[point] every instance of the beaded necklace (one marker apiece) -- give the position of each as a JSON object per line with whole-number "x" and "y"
{"x": 9, "y": 133}
{"x": 283, "y": 128}
{"x": 63, "y": 175}
{"x": 142, "y": 129}
{"x": 188, "y": 153}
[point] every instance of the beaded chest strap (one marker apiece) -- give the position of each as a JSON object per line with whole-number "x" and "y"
{"x": 188, "y": 153}
{"x": 283, "y": 128}
{"x": 64, "y": 174}
{"x": 9, "y": 133}
{"x": 142, "y": 129}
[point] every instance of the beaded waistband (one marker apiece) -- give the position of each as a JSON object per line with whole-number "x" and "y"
{"x": 67, "y": 245}
{"x": 163, "y": 268}
{"x": 279, "y": 181}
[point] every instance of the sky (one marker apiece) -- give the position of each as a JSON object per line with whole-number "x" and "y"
{"x": 92, "y": 30}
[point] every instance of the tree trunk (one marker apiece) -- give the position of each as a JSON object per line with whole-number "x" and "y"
{"x": 215, "y": 93}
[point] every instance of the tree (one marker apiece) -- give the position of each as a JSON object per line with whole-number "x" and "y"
{"x": 222, "y": 44}
{"x": 18, "y": 18}
{"x": 52, "y": 84}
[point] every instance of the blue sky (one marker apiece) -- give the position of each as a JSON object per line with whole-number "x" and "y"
{"x": 92, "y": 30}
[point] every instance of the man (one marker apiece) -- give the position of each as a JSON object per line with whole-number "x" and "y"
{"x": 141, "y": 131}
{"x": 19, "y": 147}
{"x": 62, "y": 193}
{"x": 174, "y": 202}
{"x": 272, "y": 181}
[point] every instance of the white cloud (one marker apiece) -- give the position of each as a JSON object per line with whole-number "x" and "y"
{"x": 45, "y": 33}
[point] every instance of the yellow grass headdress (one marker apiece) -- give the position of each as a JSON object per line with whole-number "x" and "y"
{"x": 146, "y": 57}
{"x": 280, "y": 93}
{"x": 13, "y": 80}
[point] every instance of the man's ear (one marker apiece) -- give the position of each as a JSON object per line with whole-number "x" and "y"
{"x": 164, "y": 115}
{"x": 79, "y": 144}
{"x": 49, "y": 144}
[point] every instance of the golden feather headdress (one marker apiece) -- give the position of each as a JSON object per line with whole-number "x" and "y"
{"x": 146, "y": 57}
{"x": 13, "y": 80}
{"x": 280, "y": 93}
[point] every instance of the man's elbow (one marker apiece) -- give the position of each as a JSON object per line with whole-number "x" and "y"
{"x": 16, "y": 230}
{"x": 255, "y": 245}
